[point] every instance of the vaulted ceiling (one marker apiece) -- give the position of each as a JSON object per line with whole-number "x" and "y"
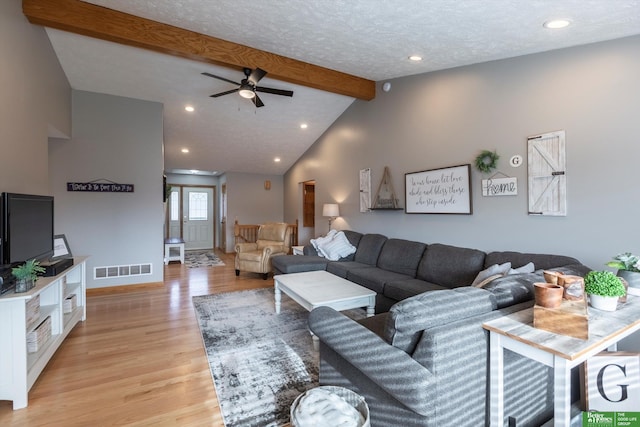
{"x": 329, "y": 53}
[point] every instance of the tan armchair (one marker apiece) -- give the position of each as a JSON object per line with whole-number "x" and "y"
{"x": 273, "y": 240}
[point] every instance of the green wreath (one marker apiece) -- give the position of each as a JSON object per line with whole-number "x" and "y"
{"x": 486, "y": 161}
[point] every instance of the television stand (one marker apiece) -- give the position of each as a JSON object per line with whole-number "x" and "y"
{"x": 58, "y": 303}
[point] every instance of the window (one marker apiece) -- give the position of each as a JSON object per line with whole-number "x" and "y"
{"x": 175, "y": 205}
{"x": 198, "y": 203}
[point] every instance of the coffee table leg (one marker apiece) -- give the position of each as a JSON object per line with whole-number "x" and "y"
{"x": 277, "y": 295}
{"x": 371, "y": 308}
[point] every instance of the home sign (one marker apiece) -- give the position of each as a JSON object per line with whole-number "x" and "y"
{"x": 500, "y": 187}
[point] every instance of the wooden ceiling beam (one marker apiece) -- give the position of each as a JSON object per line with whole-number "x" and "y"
{"x": 99, "y": 22}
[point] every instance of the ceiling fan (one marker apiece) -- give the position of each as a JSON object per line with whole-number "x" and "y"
{"x": 248, "y": 87}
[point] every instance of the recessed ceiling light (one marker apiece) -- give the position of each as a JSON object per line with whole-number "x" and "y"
{"x": 277, "y": 159}
{"x": 185, "y": 150}
{"x": 189, "y": 108}
{"x": 194, "y": 171}
{"x": 556, "y": 23}
{"x": 303, "y": 126}
{"x": 415, "y": 58}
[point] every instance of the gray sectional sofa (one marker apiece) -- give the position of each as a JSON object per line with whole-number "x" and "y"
{"x": 397, "y": 269}
{"x": 423, "y": 360}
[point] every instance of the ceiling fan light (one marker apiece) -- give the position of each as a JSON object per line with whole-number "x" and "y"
{"x": 247, "y": 92}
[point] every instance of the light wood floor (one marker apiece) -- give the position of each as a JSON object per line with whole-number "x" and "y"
{"x": 137, "y": 360}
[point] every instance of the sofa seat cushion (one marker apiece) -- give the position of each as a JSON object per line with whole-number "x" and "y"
{"x": 286, "y": 264}
{"x": 374, "y": 278}
{"x": 408, "y": 318}
{"x": 450, "y": 266}
{"x": 401, "y": 256}
{"x": 403, "y": 289}
{"x": 341, "y": 268}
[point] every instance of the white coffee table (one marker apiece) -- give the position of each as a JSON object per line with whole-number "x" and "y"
{"x": 313, "y": 289}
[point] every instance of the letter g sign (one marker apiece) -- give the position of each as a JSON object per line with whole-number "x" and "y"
{"x": 623, "y": 387}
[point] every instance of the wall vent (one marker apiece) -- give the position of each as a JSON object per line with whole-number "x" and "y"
{"x": 112, "y": 271}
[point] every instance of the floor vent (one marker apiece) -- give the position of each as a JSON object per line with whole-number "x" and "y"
{"x": 121, "y": 270}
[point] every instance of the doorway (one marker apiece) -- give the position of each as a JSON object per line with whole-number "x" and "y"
{"x": 191, "y": 216}
{"x": 309, "y": 204}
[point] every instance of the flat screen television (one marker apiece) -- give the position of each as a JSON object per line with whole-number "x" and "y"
{"x": 27, "y": 227}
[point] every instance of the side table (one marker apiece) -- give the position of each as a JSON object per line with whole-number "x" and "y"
{"x": 516, "y": 333}
{"x": 173, "y": 250}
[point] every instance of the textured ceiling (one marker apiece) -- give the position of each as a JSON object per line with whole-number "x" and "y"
{"x": 366, "y": 38}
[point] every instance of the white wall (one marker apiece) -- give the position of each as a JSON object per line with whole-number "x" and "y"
{"x": 116, "y": 139}
{"x": 250, "y": 203}
{"x": 35, "y": 102}
{"x": 446, "y": 118}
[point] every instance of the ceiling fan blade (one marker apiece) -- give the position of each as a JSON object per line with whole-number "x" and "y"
{"x": 256, "y": 75}
{"x": 257, "y": 101}
{"x": 220, "y": 78}
{"x": 215, "y": 95}
{"x": 274, "y": 91}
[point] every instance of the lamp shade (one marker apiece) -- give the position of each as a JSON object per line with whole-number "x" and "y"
{"x": 331, "y": 210}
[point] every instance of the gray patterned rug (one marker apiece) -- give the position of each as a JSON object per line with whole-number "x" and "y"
{"x": 260, "y": 361}
{"x": 193, "y": 259}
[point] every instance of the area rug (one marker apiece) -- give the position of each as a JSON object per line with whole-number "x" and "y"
{"x": 260, "y": 361}
{"x": 193, "y": 259}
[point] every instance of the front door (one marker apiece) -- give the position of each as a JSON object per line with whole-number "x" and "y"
{"x": 197, "y": 217}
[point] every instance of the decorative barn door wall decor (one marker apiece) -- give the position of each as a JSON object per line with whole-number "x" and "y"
{"x": 547, "y": 174}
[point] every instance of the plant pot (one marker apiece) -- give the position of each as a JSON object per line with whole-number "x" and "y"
{"x": 548, "y": 295}
{"x": 603, "y": 303}
{"x": 633, "y": 279}
{"x": 23, "y": 285}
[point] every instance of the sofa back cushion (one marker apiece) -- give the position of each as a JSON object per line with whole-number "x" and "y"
{"x": 450, "y": 266}
{"x": 401, "y": 256}
{"x": 518, "y": 259}
{"x": 408, "y": 318}
{"x": 369, "y": 248}
{"x": 354, "y": 238}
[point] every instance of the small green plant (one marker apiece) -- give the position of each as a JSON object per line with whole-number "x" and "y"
{"x": 603, "y": 283}
{"x": 29, "y": 270}
{"x": 625, "y": 261}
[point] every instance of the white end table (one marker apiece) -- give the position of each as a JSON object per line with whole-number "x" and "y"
{"x": 561, "y": 352}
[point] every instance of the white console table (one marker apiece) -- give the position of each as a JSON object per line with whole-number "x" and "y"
{"x": 20, "y": 369}
{"x": 516, "y": 333}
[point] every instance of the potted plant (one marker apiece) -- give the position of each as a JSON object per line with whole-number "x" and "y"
{"x": 628, "y": 266}
{"x": 26, "y": 275}
{"x": 604, "y": 289}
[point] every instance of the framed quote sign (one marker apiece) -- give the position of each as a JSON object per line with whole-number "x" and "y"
{"x": 439, "y": 191}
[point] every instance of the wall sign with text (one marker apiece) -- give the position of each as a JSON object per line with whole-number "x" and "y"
{"x": 100, "y": 187}
{"x": 500, "y": 187}
{"x": 439, "y": 191}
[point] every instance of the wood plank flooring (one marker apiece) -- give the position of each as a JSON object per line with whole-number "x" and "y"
{"x": 138, "y": 359}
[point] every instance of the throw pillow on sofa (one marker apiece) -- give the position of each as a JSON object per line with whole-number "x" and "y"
{"x": 333, "y": 246}
{"x": 316, "y": 243}
{"x": 498, "y": 269}
{"x": 495, "y": 269}
{"x": 338, "y": 247}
